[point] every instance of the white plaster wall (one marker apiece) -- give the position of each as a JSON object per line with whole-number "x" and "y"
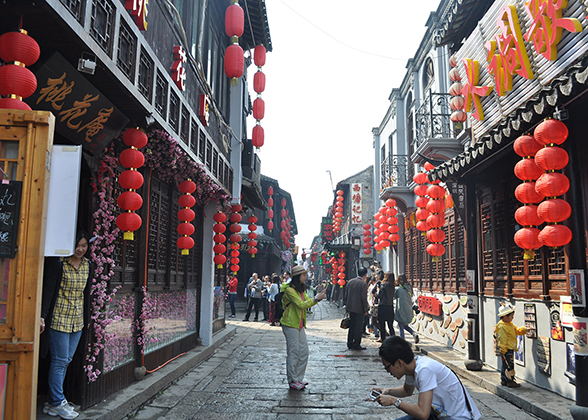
{"x": 207, "y": 295}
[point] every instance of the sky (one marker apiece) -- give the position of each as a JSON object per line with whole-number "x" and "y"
{"x": 329, "y": 76}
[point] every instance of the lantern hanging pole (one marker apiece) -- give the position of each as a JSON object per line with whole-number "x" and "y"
{"x": 331, "y": 176}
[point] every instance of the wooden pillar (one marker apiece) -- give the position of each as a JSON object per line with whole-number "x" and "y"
{"x": 31, "y": 133}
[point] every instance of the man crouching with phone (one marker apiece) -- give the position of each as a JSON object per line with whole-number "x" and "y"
{"x": 441, "y": 393}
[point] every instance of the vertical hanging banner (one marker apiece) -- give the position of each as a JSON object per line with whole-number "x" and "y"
{"x": 356, "y": 204}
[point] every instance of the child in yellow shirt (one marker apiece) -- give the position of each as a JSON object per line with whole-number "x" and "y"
{"x": 506, "y": 336}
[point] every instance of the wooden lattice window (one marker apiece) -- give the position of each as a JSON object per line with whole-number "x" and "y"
{"x": 215, "y": 163}
{"x": 127, "y": 50}
{"x": 487, "y": 244}
{"x": 208, "y": 155}
{"x": 146, "y": 70}
{"x": 102, "y": 24}
{"x": 194, "y": 137}
{"x": 75, "y": 7}
{"x": 185, "y": 131}
{"x": 161, "y": 95}
{"x": 174, "y": 111}
{"x": 159, "y": 231}
{"x": 201, "y": 146}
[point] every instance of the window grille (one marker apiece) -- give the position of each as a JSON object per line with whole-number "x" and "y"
{"x": 185, "y": 131}
{"x": 102, "y": 23}
{"x": 161, "y": 95}
{"x": 146, "y": 69}
{"x": 174, "y": 111}
{"x": 75, "y": 7}
{"x": 127, "y": 50}
{"x": 194, "y": 137}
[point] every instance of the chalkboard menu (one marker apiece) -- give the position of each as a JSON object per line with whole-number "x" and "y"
{"x": 10, "y": 194}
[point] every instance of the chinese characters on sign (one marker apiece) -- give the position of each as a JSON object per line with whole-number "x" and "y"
{"x": 138, "y": 9}
{"x": 82, "y": 113}
{"x": 506, "y": 52}
{"x": 178, "y": 69}
{"x": 327, "y": 232}
{"x": 356, "y": 204}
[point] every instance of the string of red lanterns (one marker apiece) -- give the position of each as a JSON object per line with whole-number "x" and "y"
{"x": 551, "y": 158}
{"x": 421, "y": 179}
{"x": 457, "y": 101}
{"x": 341, "y": 268}
{"x": 185, "y": 215}
{"x": 234, "y": 28}
{"x": 130, "y": 201}
{"x": 18, "y": 50}
{"x": 252, "y": 235}
{"x": 527, "y": 171}
{"x": 367, "y": 240}
{"x": 392, "y": 221}
{"x": 338, "y": 214}
{"x": 219, "y": 249}
{"x": 258, "y": 135}
{"x": 270, "y": 212}
{"x": 235, "y": 238}
{"x": 436, "y": 219}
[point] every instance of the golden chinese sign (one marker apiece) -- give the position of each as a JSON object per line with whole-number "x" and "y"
{"x": 516, "y": 52}
{"x": 83, "y": 115}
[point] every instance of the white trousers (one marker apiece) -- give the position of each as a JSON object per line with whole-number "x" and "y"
{"x": 297, "y": 353}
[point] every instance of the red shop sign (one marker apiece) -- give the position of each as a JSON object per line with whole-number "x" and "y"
{"x": 430, "y": 305}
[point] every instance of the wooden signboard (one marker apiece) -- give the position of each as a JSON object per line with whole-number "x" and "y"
{"x": 10, "y": 193}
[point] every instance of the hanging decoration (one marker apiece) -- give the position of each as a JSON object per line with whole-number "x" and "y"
{"x": 18, "y": 50}
{"x": 257, "y": 136}
{"x": 436, "y": 219}
{"x": 384, "y": 226}
{"x": 367, "y": 240}
{"x": 457, "y": 101}
{"x": 234, "y": 27}
{"x": 235, "y": 238}
{"x": 283, "y": 222}
{"x": 421, "y": 201}
{"x": 219, "y": 239}
{"x": 551, "y": 184}
{"x": 130, "y": 201}
{"x": 392, "y": 221}
{"x": 270, "y": 212}
{"x": 377, "y": 232}
{"x": 186, "y": 215}
{"x": 341, "y": 268}
{"x": 527, "y": 237}
{"x": 252, "y": 235}
{"x": 338, "y": 212}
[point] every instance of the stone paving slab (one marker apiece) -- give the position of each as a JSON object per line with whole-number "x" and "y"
{"x": 244, "y": 378}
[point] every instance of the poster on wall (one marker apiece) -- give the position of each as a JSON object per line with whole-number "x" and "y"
{"x": 470, "y": 278}
{"x": 580, "y": 336}
{"x": 566, "y": 311}
{"x": 570, "y": 363}
{"x": 556, "y": 327}
{"x": 472, "y": 305}
{"x": 577, "y": 289}
{"x": 530, "y": 320}
{"x": 543, "y": 355}
{"x": 519, "y": 355}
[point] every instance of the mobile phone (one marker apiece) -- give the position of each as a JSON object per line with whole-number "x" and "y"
{"x": 374, "y": 394}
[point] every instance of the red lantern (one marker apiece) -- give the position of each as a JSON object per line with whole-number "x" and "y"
{"x": 554, "y": 211}
{"x": 421, "y": 202}
{"x": 458, "y": 116}
{"x": 219, "y": 249}
{"x": 128, "y": 222}
{"x": 235, "y": 238}
{"x": 421, "y": 190}
{"x": 131, "y": 158}
{"x": 234, "y": 62}
{"x": 186, "y": 215}
{"x": 367, "y": 251}
{"x": 12, "y": 103}
{"x": 133, "y": 137}
{"x": 234, "y": 20}
{"x": 129, "y": 200}
{"x": 552, "y": 184}
{"x": 435, "y": 191}
{"x": 186, "y": 229}
{"x": 219, "y": 238}
{"x": 527, "y": 216}
{"x": 130, "y": 179}
{"x": 422, "y": 214}
{"x": 270, "y": 225}
{"x": 422, "y": 225}
{"x": 258, "y": 136}
{"x": 258, "y": 109}
{"x": 186, "y": 200}
{"x": 551, "y": 132}
{"x": 17, "y": 80}
{"x": 526, "y": 193}
{"x": 219, "y": 260}
{"x": 527, "y": 170}
{"x": 235, "y": 218}
{"x": 436, "y": 235}
{"x": 555, "y": 235}
{"x": 390, "y": 202}
{"x": 526, "y": 146}
{"x": 185, "y": 243}
{"x": 435, "y": 250}
{"x": 259, "y": 82}
{"x": 551, "y": 158}
{"x": 19, "y": 46}
{"x": 219, "y": 217}
{"x": 436, "y": 220}
{"x": 436, "y": 206}
{"x": 527, "y": 238}
{"x": 259, "y": 54}
{"x": 420, "y": 178}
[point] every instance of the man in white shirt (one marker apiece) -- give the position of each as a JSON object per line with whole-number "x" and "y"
{"x": 440, "y": 390}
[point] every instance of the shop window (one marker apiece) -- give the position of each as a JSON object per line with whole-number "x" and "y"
{"x": 174, "y": 111}
{"x": 75, "y": 7}
{"x": 127, "y": 51}
{"x": 159, "y": 230}
{"x": 102, "y": 23}
{"x": 146, "y": 69}
{"x": 161, "y": 95}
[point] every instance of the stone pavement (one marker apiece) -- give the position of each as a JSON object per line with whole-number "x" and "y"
{"x": 243, "y": 377}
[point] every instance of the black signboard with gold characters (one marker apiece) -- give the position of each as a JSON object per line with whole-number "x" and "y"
{"x": 82, "y": 114}
{"x": 10, "y": 194}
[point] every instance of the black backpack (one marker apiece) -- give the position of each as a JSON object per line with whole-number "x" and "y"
{"x": 279, "y": 309}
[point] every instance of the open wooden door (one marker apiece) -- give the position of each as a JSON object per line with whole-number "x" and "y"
{"x": 26, "y": 138}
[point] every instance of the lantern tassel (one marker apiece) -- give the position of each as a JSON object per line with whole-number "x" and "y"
{"x": 529, "y": 254}
{"x": 185, "y": 252}
{"x": 128, "y": 236}
{"x": 219, "y": 266}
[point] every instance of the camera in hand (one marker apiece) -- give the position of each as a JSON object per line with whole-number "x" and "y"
{"x": 374, "y": 394}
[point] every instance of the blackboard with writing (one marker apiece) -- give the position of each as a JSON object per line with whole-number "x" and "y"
{"x": 10, "y": 194}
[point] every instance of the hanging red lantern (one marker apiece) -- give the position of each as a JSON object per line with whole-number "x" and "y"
{"x": 258, "y": 136}
{"x": 551, "y": 132}
{"x": 527, "y": 238}
{"x": 235, "y": 218}
{"x": 129, "y": 200}
{"x": 527, "y": 215}
{"x": 131, "y": 158}
{"x": 234, "y": 20}
{"x": 551, "y": 158}
{"x": 234, "y": 63}
{"x": 436, "y": 235}
{"x": 527, "y": 194}
{"x": 555, "y": 235}
{"x": 219, "y": 260}
{"x": 526, "y": 146}
{"x": 435, "y": 250}
{"x": 270, "y": 225}
{"x": 436, "y": 220}
{"x": 526, "y": 170}
{"x": 17, "y": 80}
{"x": 252, "y": 228}
{"x": 258, "y": 109}
{"x": 552, "y": 184}
{"x": 554, "y": 211}
{"x": 186, "y": 229}
{"x": 186, "y": 215}
{"x": 131, "y": 179}
{"x": 133, "y": 137}
{"x": 19, "y": 46}
{"x": 436, "y": 206}
{"x": 259, "y": 55}
{"x": 128, "y": 222}
{"x": 259, "y": 82}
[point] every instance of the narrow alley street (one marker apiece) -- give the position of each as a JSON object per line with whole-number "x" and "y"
{"x": 245, "y": 379}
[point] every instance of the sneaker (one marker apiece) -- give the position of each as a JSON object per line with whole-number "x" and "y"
{"x": 513, "y": 384}
{"x": 63, "y": 410}
{"x": 297, "y": 386}
{"x": 416, "y": 338}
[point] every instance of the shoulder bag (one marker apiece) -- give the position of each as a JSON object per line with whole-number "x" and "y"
{"x": 346, "y": 321}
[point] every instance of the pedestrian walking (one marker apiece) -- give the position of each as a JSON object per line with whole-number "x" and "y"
{"x": 506, "y": 340}
{"x": 295, "y": 300}
{"x": 403, "y": 312}
{"x": 374, "y": 325}
{"x": 357, "y": 306}
{"x": 273, "y": 291}
{"x": 386, "y": 305}
{"x": 254, "y": 287}
{"x": 233, "y": 294}
{"x": 265, "y": 302}
{"x": 441, "y": 393}
{"x": 65, "y": 311}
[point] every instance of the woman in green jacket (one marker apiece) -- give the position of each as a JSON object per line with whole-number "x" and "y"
{"x": 295, "y": 301}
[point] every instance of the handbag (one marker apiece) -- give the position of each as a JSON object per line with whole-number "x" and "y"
{"x": 374, "y": 311}
{"x": 346, "y": 321}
